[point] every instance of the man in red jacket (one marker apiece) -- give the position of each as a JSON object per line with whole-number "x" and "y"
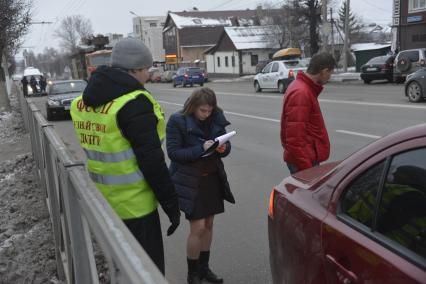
{"x": 303, "y": 133}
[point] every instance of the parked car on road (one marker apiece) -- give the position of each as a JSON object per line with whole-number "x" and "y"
{"x": 167, "y": 76}
{"x": 407, "y": 62}
{"x": 362, "y": 220}
{"x": 415, "y": 86}
{"x": 60, "y": 96}
{"x": 378, "y": 68}
{"x": 33, "y": 72}
{"x": 278, "y": 74}
{"x": 188, "y": 76}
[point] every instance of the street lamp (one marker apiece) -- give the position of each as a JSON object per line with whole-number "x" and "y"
{"x": 140, "y": 22}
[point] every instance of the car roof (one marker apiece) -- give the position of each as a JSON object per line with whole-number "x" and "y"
{"x": 31, "y": 71}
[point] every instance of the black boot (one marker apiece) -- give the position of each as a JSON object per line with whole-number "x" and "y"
{"x": 193, "y": 277}
{"x": 205, "y": 272}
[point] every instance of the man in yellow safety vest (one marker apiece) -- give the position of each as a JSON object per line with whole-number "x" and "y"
{"x": 121, "y": 127}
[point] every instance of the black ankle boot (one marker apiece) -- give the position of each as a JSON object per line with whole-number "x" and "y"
{"x": 205, "y": 272}
{"x": 193, "y": 277}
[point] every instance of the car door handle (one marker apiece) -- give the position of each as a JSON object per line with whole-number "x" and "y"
{"x": 343, "y": 275}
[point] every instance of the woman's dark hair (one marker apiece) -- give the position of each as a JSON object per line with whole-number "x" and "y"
{"x": 199, "y": 97}
{"x": 321, "y": 61}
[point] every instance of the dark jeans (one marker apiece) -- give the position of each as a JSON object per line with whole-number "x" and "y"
{"x": 147, "y": 231}
{"x": 293, "y": 169}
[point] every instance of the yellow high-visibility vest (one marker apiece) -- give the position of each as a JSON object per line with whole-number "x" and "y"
{"x": 111, "y": 162}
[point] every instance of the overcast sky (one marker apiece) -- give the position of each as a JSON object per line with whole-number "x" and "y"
{"x": 114, "y": 17}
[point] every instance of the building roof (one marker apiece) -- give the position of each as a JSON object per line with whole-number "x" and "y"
{"x": 368, "y": 46}
{"x": 254, "y": 37}
{"x": 212, "y": 18}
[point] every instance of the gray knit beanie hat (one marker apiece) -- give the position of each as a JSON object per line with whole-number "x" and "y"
{"x": 130, "y": 53}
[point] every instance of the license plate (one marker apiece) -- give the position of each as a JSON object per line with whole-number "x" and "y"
{"x": 371, "y": 69}
{"x": 195, "y": 77}
{"x": 66, "y": 107}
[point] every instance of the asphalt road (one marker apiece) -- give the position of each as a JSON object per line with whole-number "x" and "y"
{"x": 355, "y": 115}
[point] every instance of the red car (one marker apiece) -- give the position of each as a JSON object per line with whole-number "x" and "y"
{"x": 362, "y": 220}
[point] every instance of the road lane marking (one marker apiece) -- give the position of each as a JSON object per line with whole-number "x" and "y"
{"x": 372, "y": 104}
{"x": 231, "y": 113}
{"x": 321, "y": 100}
{"x": 358, "y": 134}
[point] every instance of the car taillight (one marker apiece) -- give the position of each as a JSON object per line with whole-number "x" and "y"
{"x": 385, "y": 66}
{"x": 271, "y": 204}
{"x": 203, "y": 74}
{"x": 186, "y": 75}
{"x": 291, "y": 73}
{"x": 422, "y": 62}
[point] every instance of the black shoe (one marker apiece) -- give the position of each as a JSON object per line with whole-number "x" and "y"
{"x": 193, "y": 279}
{"x": 209, "y": 276}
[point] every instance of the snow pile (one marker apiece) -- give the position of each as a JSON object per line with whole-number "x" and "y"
{"x": 27, "y": 252}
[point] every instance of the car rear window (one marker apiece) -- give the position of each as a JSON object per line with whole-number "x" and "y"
{"x": 378, "y": 60}
{"x": 193, "y": 71}
{"x": 413, "y": 55}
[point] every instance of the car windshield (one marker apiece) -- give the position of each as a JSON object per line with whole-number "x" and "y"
{"x": 294, "y": 64}
{"x": 68, "y": 87}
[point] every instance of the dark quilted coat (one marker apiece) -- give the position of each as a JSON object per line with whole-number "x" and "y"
{"x": 185, "y": 147}
{"x": 303, "y": 133}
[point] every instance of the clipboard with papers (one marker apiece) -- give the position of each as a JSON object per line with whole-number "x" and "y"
{"x": 218, "y": 141}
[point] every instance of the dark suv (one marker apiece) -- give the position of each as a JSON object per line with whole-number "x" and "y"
{"x": 407, "y": 62}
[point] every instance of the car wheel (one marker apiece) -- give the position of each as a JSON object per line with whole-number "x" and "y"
{"x": 414, "y": 92}
{"x": 257, "y": 87}
{"x": 49, "y": 114}
{"x": 366, "y": 81}
{"x": 399, "y": 80}
{"x": 174, "y": 85}
{"x": 202, "y": 84}
{"x": 281, "y": 87}
{"x": 192, "y": 85}
{"x": 390, "y": 79}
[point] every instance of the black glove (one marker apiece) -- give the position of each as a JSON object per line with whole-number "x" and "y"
{"x": 171, "y": 208}
{"x": 175, "y": 223}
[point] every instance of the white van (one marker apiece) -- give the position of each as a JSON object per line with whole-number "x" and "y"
{"x": 28, "y": 73}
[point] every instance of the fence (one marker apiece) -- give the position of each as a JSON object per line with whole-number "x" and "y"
{"x": 79, "y": 213}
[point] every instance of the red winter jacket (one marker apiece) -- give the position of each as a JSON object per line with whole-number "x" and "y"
{"x": 303, "y": 133}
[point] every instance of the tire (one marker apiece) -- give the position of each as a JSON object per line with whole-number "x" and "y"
{"x": 398, "y": 80}
{"x": 49, "y": 114}
{"x": 390, "y": 79}
{"x": 174, "y": 85}
{"x": 403, "y": 64}
{"x": 257, "y": 87}
{"x": 192, "y": 85}
{"x": 282, "y": 87}
{"x": 414, "y": 92}
{"x": 202, "y": 84}
{"x": 366, "y": 81}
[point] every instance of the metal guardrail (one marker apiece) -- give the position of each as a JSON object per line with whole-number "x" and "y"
{"x": 79, "y": 213}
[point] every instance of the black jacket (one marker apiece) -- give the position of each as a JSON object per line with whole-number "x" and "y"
{"x": 138, "y": 124}
{"x": 185, "y": 141}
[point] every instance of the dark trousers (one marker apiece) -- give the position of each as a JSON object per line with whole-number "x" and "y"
{"x": 147, "y": 231}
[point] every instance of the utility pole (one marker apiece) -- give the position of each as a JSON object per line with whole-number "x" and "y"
{"x": 325, "y": 29}
{"x": 346, "y": 43}
{"x": 332, "y": 31}
{"x": 140, "y": 24}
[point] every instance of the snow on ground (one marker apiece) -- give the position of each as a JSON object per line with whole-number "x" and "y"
{"x": 27, "y": 252}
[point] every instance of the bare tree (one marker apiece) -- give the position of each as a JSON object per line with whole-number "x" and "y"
{"x": 71, "y": 30}
{"x": 15, "y": 16}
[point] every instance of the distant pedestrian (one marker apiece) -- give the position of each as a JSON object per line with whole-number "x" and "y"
{"x": 33, "y": 84}
{"x": 24, "y": 82}
{"x": 43, "y": 84}
{"x": 201, "y": 181}
{"x": 304, "y": 136}
{"x": 125, "y": 158}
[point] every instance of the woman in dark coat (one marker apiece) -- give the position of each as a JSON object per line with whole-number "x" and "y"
{"x": 200, "y": 180}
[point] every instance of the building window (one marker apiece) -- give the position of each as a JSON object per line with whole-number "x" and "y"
{"x": 233, "y": 61}
{"x": 226, "y": 61}
{"x": 218, "y": 61}
{"x": 254, "y": 59}
{"x": 152, "y": 25}
{"x": 416, "y": 5}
